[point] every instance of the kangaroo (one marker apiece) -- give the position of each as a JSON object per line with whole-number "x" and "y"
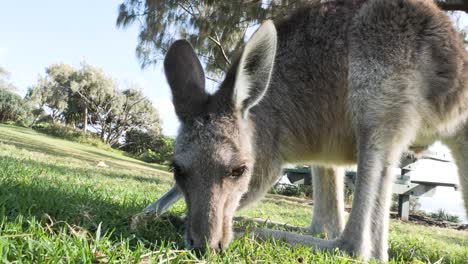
{"x": 328, "y": 196}
{"x": 333, "y": 84}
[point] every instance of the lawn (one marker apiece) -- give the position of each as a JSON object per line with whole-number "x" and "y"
{"x": 57, "y": 206}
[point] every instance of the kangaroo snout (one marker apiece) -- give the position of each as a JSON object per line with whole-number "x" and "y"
{"x": 213, "y": 243}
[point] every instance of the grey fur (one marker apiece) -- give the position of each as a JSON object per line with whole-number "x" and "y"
{"x": 353, "y": 81}
{"x": 328, "y": 216}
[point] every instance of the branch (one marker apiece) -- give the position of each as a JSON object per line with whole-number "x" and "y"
{"x": 126, "y": 144}
{"x": 455, "y": 5}
{"x": 216, "y": 41}
{"x": 88, "y": 101}
{"x": 213, "y": 79}
{"x": 96, "y": 109}
{"x": 186, "y": 9}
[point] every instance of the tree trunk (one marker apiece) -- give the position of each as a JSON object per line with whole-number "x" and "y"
{"x": 103, "y": 132}
{"x": 53, "y": 116}
{"x": 85, "y": 120}
{"x": 34, "y": 121}
{"x": 109, "y": 135}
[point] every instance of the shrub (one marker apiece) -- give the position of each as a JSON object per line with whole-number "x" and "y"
{"x": 149, "y": 145}
{"x": 414, "y": 203}
{"x": 290, "y": 190}
{"x": 13, "y": 109}
{"x": 150, "y": 156}
{"x": 72, "y": 134}
{"x": 162, "y": 154}
{"x": 442, "y": 215}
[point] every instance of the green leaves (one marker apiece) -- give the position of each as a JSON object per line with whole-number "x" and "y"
{"x": 149, "y": 145}
{"x": 13, "y": 108}
{"x": 87, "y": 96}
{"x": 216, "y": 29}
{"x": 5, "y": 80}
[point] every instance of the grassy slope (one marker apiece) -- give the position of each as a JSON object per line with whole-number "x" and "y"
{"x": 57, "y": 206}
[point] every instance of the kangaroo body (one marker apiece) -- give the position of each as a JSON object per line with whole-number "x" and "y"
{"x": 333, "y": 84}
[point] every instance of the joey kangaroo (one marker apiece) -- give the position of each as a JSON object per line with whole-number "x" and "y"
{"x": 355, "y": 83}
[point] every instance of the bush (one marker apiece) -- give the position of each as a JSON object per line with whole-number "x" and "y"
{"x": 290, "y": 190}
{"x": 442, "y": 215}
{"x": 413, "y": 207}
{"x": 149, "y": 145}
{"x": 72, "y": 134}
{"x": 163, "y": 154}
{"x": 150, "y": 156}
{"x": 13, "y": 109}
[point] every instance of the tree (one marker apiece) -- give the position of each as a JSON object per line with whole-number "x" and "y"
{"x": 92, "y": 92}
{"x": 13, "y": 108}
{"x": 55, "y": 88}
{"x": 87, "y": 96}
{"x": 37, "y": 96}
{"x": 52, "y": 92}
{"x": 216, "y": 29}
{"x": 5, "y": 80}
{"x": 134, "y": 111}
{"x": 138, "y": 141}
{"x": 149, "y": 145}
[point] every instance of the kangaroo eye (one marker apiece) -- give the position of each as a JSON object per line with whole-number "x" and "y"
{"x": 237, "y": 172}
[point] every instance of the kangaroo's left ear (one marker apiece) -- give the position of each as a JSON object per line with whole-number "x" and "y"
{"x": 255, "y": 68}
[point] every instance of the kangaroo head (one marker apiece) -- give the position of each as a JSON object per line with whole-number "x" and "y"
{"x": 214, "y": 152}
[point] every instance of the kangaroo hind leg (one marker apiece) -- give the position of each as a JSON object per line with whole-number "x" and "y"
{"x": 459, "y": 147}
{"x": 385, "y": 114}
{"x": 328, "y": 215}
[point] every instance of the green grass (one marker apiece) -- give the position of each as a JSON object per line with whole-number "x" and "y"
{"x": 57, "y": 206}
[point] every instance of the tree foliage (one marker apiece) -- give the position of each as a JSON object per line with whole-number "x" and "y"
{"x": 137, "y": 141}
{"x": 134, "y": 111}
{"x": 87, "y": 96}
{"x": 216, "y": 29}
{"x": 13, "y": 108}
{"x": 149, "y": 145}
{"x": 94, "y": 94}
{"x": 5, "y": 80}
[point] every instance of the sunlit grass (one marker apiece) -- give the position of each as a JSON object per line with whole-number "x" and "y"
{"x": 57, "y": 206}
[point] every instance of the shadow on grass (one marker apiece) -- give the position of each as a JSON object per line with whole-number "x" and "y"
{"x": 23, "y": 192}
{"x": 135, "y": 161}
{"x": 50, "y": 149}
{"x": 91, "y": 159}
{"x": 46, "y": 149}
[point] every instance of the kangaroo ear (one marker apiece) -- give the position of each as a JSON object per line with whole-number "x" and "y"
{"x": 255, "y": 68}
{"x": 186, "y": 78}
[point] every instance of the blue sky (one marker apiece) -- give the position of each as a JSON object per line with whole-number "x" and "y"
{"x": 39, "y": 33}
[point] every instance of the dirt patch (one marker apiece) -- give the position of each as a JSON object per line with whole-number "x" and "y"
{"x": 423, "y": 220}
